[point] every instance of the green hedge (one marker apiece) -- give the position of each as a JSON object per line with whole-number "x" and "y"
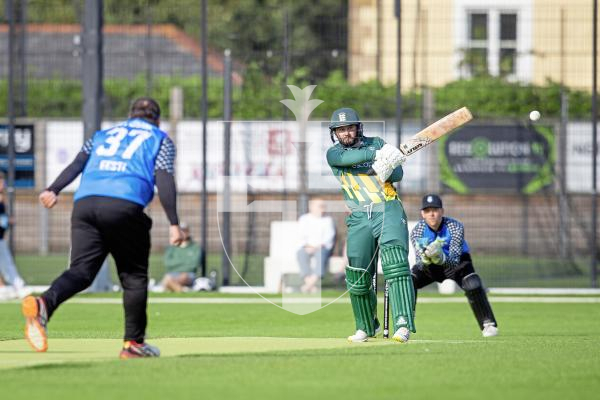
{"x": 258, "y": 97}
{"x": 491, "y": 97}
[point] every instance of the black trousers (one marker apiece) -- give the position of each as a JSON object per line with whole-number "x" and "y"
{"x": 99, "y": 226}
{"x": 423, "y": 275}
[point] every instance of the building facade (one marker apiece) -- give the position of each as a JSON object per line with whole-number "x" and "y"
{"x": 530, "y": 41}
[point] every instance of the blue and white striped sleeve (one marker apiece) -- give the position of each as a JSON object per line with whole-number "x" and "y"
{"x": 457, "y": 238}
{"x": 87, "y": 147}
{"x": 165, "y": 160}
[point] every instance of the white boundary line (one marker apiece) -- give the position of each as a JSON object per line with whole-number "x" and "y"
{"x": 345, "y": 300}
{"x": 550, "y": 291}
{"x": 493, "y": 290}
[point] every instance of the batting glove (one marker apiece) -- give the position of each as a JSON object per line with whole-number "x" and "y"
{"x": 385, "y": 152}
{"x": 390, "y": 154}
{"x": 386, "y": 160}
{"x": 383, "y": 169}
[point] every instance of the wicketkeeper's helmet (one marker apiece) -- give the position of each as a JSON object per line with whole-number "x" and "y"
{"x": 344, "y": 117}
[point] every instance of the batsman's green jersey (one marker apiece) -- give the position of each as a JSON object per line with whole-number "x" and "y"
{"x": 351, "y": 164}
{"x": 377, "y": 222}
{"x": 369, "y": 201}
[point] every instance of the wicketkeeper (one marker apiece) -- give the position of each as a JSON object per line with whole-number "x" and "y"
{"x": 377, "y": 224}
{"x": 443, "y": 253}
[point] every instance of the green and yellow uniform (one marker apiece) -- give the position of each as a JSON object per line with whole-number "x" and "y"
{"x": 377, "y": 224}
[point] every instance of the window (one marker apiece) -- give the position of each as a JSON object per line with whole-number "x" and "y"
{"x": 476, "y": 56}
{"x": 491, "y": 44}
{"x": 493, "y": 37}
{"x": 508, "y": 44}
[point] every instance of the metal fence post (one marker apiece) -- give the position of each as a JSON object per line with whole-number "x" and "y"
{"x": 227, "y": 115}
{"x": 93, "y": 66}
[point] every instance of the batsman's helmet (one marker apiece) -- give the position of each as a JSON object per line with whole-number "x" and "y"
{"x": 344, "y": 117}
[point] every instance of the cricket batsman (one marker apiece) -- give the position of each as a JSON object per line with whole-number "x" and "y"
{"x": 377, "y": 224}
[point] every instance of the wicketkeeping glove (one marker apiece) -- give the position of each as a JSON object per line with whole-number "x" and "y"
{"x": 435, "y": 252}
{"x": 425, "y": 260}
{"x": 422, "y": 245}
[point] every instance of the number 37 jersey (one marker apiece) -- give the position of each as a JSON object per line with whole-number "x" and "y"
{"x": 121, "y": 162}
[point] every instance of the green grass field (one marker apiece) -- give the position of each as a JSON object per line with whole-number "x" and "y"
{"x": 259, "y": 351}
{"x": 504, "y": 271}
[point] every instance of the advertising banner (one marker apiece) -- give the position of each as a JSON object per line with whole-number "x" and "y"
{"x": 24, "y": 155}
{"x": 508, "y": 158}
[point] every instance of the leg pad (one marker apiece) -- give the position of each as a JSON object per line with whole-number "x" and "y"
{"x": 360, "y": 287}
{"x": 402, "y": 293}
{"x": 478, "y": 300}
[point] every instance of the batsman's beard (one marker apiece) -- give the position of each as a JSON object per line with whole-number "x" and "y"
{"x": 348, "y": 140}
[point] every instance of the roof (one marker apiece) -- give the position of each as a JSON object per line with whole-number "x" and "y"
{"x": 54, "y": 51}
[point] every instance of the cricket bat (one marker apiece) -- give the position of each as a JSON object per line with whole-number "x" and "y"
{"x": 436, "y": 130}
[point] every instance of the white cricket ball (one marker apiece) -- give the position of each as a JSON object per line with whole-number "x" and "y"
{"x": 534, "y": 115}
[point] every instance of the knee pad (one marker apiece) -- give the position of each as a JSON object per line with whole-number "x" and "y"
{"x": 394, "y": 262}
{"x": 471, "y": 282}
{"x": 358, "y": 281}
{"x": 478, "y": 300}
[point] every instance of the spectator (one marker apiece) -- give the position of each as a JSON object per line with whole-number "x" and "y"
{"x": 8, "y": 269}
{"x": 181, "y": 263}
{"x": 5, "y": 293}
{"x": 317, "y": 233}
{"x": 102, "y": 282}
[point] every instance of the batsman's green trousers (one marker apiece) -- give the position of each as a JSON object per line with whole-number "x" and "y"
{"x": 380, "y": 228}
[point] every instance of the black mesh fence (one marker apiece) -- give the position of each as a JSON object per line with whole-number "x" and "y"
{"x": 522, "y": 188}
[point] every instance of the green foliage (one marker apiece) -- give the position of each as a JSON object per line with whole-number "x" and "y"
{"x": 48, "y": 98}
{"x": 490, "y": 97}
{"x": 257, "y": 98}
{"x": 120, "y": 92}
{"x": 63, "y": 98}
{"x": 371, "y": 99}
{"x": 314, "y": 27}
{"x": 54, "y": 11}
{"x": 314, "y": 30}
